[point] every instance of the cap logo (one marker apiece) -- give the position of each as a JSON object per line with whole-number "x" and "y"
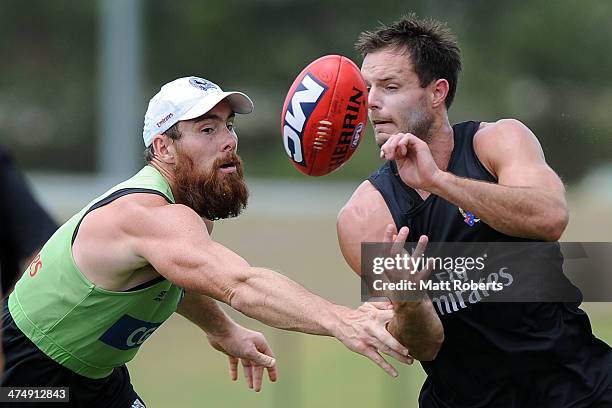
{"x": 202, "y": 84}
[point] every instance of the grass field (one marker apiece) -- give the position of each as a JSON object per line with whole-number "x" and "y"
{"x": 177, "y": 368}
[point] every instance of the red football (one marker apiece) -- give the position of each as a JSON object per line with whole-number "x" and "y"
{"x": 324, "y": 115}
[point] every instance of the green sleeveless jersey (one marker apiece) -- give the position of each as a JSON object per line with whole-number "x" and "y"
{"x": 83, "y": 327}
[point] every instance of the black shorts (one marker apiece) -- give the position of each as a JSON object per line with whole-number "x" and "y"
{"x": 26, "y": 365}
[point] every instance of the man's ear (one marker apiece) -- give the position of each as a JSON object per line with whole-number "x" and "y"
{"x": 164, "y": 148}
{"x": 440, "y": 91}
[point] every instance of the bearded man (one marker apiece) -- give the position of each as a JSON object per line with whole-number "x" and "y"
{"x": 114, "y": 272}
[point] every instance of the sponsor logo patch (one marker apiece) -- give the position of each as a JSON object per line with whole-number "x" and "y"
{"x": 128, "y": 333}
{"x": 164, "y": 119}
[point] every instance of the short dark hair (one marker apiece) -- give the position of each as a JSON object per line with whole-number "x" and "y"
{"x": 432, "y": 48}
{"x": 173, "y": 133}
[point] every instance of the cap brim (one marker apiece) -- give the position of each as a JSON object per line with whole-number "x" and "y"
{"x": 239, "y": 102}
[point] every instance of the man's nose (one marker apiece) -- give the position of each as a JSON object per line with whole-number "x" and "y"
{"x": 230, "y": 143}
{"x": 374, "y": 99}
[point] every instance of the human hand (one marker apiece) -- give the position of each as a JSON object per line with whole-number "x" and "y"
{"x": 415, "y": 163}
{"x": 398, "y": 241}
{"x": 251, "y": 349}
{"x": 364, "y": 331}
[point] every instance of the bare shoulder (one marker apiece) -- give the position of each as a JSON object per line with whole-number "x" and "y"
{"x": 118, "y": 227}
{"x": 509, "y": 127}
{"x": 362, "y": 194}
{"x": 122, "y": 224}
{"x": 121, "y": 213}
{"x": 143, "y": 213}
{"x": 505, "y": 133}
{"x": 506, "y": 140}
{"x": 143, "y": 236}
{"x": 365, "y": 206}
{"x": 363, "y": 219}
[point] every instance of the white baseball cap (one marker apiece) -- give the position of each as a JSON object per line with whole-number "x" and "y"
{"x": 184, "y": 99}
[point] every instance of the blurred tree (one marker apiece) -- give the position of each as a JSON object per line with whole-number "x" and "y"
{"x": 47, "y": 103}
{"x": 543, "y": 63}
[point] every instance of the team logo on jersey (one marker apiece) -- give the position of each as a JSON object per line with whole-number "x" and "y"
{"x": 138, "y": 404}
{"x": 469, "y": 218}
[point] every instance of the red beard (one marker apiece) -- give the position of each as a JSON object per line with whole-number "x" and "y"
{"x": 213, "y": 195}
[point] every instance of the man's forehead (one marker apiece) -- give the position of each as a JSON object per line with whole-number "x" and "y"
{"x": 387, "y": 63}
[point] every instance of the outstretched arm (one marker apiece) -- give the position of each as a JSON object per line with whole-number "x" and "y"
{"x": 174, "y": 240}
{"x": 205, "y": 313}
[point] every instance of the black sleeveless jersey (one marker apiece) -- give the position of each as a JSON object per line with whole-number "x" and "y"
{"x": 496, "y": 354}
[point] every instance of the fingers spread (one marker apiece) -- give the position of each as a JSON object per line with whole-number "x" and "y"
{"x": 400, "y": 241}
{"x": 421, "y": 245}
{"x": 389, "y": 232}
{"x": 387, "y": 340}
{"x": 272, "y": 373}
{"x": 406, "y": 359}
{"x": 373, "y": 355}
{"x": 257, "y": 377}
{"x": 248, "y": 372}
{"x": 233, "y": 366}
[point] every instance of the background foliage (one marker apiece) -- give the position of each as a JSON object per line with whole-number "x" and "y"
{"x": 544, "y": 63}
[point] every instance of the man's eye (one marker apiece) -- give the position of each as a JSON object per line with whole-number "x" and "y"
{"x": 208, "y": 130}
{"x": 230, "y": 126}
{"x": 391, "y": 87}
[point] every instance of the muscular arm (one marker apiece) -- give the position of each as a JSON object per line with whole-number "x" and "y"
{"x": 529, "y": 199}
{"x": 364, "y": 219}
{"x": 205, "y": 313}
{"x": 174, "y": 240}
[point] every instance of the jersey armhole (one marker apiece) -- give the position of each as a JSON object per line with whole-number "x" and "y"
{"x": 386, "y": 199}
{"x": 477, "y": 160}
{"x": 112, "y": 197}
{"x": 109, "y": 199}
